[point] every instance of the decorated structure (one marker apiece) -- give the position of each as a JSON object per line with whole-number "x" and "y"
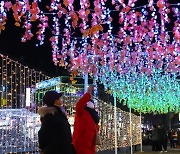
{"x": 130, "y": 46}
{"x": 19, "y": 123}
{"x": 17, "y": 83}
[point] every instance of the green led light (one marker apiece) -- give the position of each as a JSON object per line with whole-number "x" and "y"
{"x": 156, "y": 93}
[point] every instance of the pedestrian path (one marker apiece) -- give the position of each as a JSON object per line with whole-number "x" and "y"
{"x": 146, "y": 150}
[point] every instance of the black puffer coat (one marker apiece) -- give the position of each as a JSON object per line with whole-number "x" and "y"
{"x": 54, "y": 134}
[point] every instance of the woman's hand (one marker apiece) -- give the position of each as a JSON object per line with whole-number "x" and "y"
{"x": 90, "y": 89}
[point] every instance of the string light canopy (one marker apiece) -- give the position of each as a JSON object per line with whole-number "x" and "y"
{"x": 158, "y": 93}
{"x": 14, "y": 79}
{"x": 114, "y": 35}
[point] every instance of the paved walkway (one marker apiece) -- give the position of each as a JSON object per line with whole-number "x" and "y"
{"x": 146, "y": 150}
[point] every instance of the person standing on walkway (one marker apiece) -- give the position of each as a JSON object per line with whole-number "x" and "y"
{"x": 154, "y": 138}
{"x": 171, "y": 134}
{"x": 162, "y": 138}
{"x": 86, "y": 125}
{"x": 178, "y": 139}
{"x": 55, "y": 134}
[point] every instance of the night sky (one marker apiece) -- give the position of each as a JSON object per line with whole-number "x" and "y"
{"x": 38, "y": 57}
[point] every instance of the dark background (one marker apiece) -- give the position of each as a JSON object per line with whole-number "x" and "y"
{"x": 28, "y": 53}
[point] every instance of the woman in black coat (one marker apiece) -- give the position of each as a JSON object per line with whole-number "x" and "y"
{"x": 54, "y": 134}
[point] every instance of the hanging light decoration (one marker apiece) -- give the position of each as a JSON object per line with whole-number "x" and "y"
{"x": 111, "y": 40}
{"x": 158, "y": 93}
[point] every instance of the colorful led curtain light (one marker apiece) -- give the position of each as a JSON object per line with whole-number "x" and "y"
{"x": 86, "y": 36}
{"x": 123, "y": 36}
{"x": 158, "y": 93}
